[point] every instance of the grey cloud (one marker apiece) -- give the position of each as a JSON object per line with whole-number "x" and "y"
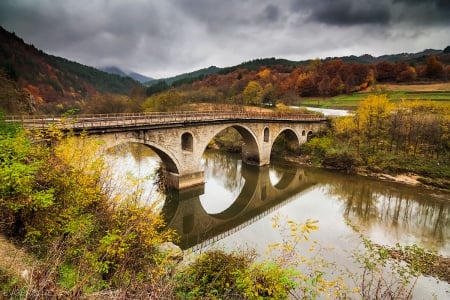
{"x": 344, "y": 12}
{"x": 163, "y": 38}
{"x": 271, "y": 13}
{"x": 370, "y": 12}
{"x": 431, "y": 12}
{"x": 351, "y": 13}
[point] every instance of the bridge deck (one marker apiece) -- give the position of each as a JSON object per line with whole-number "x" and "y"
{"x": 97, "y": 121}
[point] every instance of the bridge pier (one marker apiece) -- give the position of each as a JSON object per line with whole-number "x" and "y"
{"x": 184, "y": 181}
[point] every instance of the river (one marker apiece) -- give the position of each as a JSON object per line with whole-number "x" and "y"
{"x": 236, "y": 206}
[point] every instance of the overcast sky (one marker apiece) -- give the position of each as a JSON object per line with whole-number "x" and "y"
{"x": 162, "y": 38}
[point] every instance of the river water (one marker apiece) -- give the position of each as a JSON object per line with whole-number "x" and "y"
{"x": 237, "y": 205}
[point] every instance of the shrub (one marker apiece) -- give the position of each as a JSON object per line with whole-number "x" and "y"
{"x": 214, "y": 274}
{"x": 340, "y": 161}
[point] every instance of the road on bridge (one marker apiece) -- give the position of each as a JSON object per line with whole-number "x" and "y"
{"x": 98, "y": 121}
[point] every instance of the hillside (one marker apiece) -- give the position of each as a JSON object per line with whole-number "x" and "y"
{"x": 268, "y": 82}
{"x": 53, "y": 80}
{"x": 411, "y": 58}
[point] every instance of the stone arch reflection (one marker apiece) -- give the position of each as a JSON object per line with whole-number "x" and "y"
{"x": 257, "y": 197}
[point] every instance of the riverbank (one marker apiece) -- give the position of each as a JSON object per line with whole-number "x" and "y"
{"x": 408, "y": 178}
{"x": 424, "y": 261}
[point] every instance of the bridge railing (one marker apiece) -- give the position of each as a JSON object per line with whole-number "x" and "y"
{"x": 134, "y": 119}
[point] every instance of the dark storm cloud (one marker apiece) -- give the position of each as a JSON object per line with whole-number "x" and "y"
{"x": 431, "y": 12}
{"x": 162, "y": 38}
{"x": 382, "y": 12}
{"x": 348, "y": 12}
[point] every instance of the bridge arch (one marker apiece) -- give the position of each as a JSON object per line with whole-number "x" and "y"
{"x": 187, "y": 141}
{"x": 250, "y": 147}
{"x": 266, "y": 134}
{"x": 291, "y": 135}
{"x": 170, "y": 162}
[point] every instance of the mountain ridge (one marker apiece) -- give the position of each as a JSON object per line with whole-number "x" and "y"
{"x": 260, "y": 62}
{"x": 118, "y": 71}
{"x": 51, "y": 79}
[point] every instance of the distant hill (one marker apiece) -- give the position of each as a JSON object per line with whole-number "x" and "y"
{"x": 114, "y": 70}
{"x": 51, "y": 79}
{"x": 186, "y": 77}
{"x": 136, "y": 76}
{"x": 255, "y": 64}
{"x": 418, "y": 57}
{"x": 139, "y": 77}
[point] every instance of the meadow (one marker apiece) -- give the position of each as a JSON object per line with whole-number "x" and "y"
{"x": 395, "y": 92}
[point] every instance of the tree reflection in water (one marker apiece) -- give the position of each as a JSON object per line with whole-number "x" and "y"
{"x": 224, "y": 168}
{"x": 394, "y": 209}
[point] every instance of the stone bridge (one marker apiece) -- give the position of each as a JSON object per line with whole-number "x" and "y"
{"x": 181, "y": 138}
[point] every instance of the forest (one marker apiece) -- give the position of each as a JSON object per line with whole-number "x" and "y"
{"x": 269, "y": 85}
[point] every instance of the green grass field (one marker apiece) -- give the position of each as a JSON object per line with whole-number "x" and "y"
{"x": 434, "y": 92}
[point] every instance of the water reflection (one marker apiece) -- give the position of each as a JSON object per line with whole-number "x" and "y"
{"x": 131, "y": 171}
{"x": 390, "y": 212}
{"x": 224, "y": 180}
{"x": 254, "y": 197}
{"x": 236, "y": 195}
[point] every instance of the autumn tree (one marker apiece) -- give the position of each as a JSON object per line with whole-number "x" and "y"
{"x": 324, "y": 86}
{"x": 337, "y": 86}
{"x": 12, "y": 98}
{"x": 252, "y": 93}
{"x": 167, "y": 101}
{"x": 434, "y": 68}
{"x": 269, "y": 97}
{"x": 405, "y": 72}
{"x": 306, "y": 85}
{"x": 385, "y": 72}
{"x": 107, "y": 104}
{"x": 372, "y": 118}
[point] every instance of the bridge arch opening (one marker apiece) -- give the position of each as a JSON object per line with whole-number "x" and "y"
{"x": 131, "y": 167}
{"x": 266, "y": 134}
{"x": 167, "y": 161}
{"x": 187, "y": 142}
{"x": 287, "y": 141}
{"x": 238, "y": 139}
